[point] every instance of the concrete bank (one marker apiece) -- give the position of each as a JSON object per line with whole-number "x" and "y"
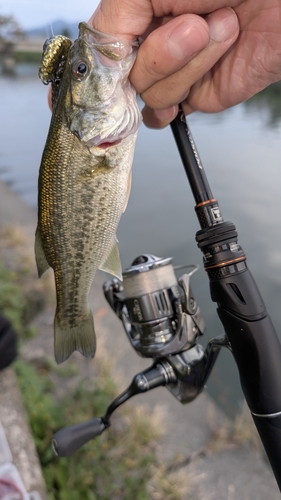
{"x": 226, "y": 472}
{"x": 15, "y": 214}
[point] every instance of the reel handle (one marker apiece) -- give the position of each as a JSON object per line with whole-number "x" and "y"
{"x": 70, "y": 439}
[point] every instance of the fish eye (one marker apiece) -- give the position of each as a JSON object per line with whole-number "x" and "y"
{"x": 79, "y": 69}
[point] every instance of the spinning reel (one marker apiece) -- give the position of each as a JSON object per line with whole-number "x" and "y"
{"x": 162, "y": 321}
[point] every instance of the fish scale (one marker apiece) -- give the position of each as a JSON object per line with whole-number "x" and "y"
{"x": 83, "y": 186}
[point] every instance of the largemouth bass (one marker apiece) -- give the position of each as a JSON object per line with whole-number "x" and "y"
{"x": 85, "y": 174}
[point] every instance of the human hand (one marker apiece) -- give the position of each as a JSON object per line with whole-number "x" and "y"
{"x": 210, "y": 68}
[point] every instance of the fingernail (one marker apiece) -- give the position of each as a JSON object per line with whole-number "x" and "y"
{"x": 186, "y": 39}
{"x": 222, "y": 24}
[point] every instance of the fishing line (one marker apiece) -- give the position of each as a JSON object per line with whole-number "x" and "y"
{"x": 51, "y": 17}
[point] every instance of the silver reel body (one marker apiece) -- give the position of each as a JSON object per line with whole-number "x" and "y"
{"x": 159, "y": 313}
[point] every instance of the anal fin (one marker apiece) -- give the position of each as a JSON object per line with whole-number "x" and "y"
{"x": 112, "y": 264}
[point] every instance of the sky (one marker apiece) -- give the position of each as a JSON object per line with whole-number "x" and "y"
{"x": 36, "y": 13}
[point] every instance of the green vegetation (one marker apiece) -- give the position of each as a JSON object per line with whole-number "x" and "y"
{"x": 118, "y": 465}
{"x": 28, "y": 57}
{"x": 13, "y": 303}
{"x": 269, "y": 102}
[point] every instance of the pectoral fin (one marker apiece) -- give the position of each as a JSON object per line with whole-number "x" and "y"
{"x": 112, "y": 264}
{"x": 41, "y": 261}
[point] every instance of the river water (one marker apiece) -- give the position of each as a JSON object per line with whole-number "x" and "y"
{"x": 240, "y": 150}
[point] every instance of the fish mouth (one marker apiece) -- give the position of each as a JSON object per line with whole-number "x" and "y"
{"x": 103, "y": 143}
{"x": 108, "y": 144}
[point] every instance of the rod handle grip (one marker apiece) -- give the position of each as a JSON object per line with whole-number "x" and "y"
{"x": 269, "y": 430}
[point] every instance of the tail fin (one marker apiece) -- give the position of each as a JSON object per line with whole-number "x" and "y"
{"x": 81, "y": 338}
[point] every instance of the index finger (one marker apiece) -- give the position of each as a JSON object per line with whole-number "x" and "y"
{"x": 168, "y": 49}
{"x": 130, "y": 19}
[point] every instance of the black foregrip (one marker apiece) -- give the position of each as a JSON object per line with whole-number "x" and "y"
{"x": 239, "y": 294}
{"x": 257, "y": 352}
{"x": 70, "y": 439}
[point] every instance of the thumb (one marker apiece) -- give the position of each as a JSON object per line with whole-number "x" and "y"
{"x": 122, "y": 18}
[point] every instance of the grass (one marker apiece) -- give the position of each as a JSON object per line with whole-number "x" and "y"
{"x": 239, "y": 432}
{"x": 117, "y": 465}
{"x": 13, "y": 303}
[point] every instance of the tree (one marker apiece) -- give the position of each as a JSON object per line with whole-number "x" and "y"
{"x": 10, "y": 32}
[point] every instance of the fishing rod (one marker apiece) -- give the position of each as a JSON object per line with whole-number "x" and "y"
{"x": 163, "y": 321}
{"x": 248, "y": 327}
